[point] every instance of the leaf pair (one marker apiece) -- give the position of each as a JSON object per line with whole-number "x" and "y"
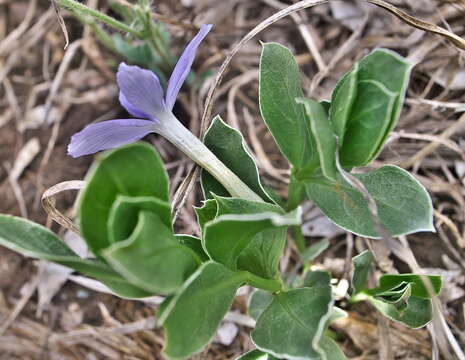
{"x": 31, "y": 239}
{"x": 240, "y": 234}
{"x": 125, "y": 219}
{"x": 245, "y": 235}
{"x": 351, "y": 129}
{"x": 405, "y": 298}
{"x": 366, "y": 105}
{"x": 244, "y": 240}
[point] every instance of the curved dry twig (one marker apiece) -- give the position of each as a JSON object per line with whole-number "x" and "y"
{"x": 48, "y": 203}
{"x": 420, "y": 24}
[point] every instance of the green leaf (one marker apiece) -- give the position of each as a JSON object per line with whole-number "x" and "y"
{"x": 368, "y": 125}
{"x": 314, "y": 250}
{"x": 206, "y": 213}
{"x": 316, "y": 278}
{"x": 292, "y": 325}
{"x": 135, "y": 170}
{"x": 382, "y": 79}
{"x": 124, "y": 215}
{"x": 256, "y": 355}
{"x": 362, "y": 265}
{"x": 34, "y": 240}
{"x": 231, "y": 240}
{"x": 262, "y": 253}
{"x": 404, "y": 206}
{"x": 417, "y": 282}
{"x": 229, "y": 146}
{"x": 323, "y": 133}
{"x": 151, "y": 257}
{"x": 342, "y": 100}
{"x": 416, "y": 314}
{"x": 258, "y": 302}
{"x": 279, "y": 87}
{"x": 192, "y": 317}
{"x": 397, "y": 296}
{"x": 193, "y": 243}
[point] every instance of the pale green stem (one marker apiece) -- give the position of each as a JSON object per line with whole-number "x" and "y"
{"x": 74, "y": 5}
{"x": 170, "y": 128}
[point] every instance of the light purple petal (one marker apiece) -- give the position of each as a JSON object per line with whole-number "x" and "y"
{"x": 141, "y": 89}
{"x": 108, "y": 135}
{"x": 183, "y": 67}
{"x": 131, "y": 109}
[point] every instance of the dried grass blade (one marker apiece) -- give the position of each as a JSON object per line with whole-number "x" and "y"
{"x": 420, "y": 24}
{"x": 48, "y": 203}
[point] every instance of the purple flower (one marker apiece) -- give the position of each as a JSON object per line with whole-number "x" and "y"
{"x": 143, "y": 97}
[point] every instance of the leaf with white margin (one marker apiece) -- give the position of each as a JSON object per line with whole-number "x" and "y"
{"x": 292, "y": 326}
{"x": 229, "y": 146}
{"x": 404, "y": 206}
{"x": 34, "y": 240}
{"x": 191, "y": 318}
{"x": 227, "y": 236}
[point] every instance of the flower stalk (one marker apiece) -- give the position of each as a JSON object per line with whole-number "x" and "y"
{"x": 172, "y": 129}
{"x": 76, "y": 6}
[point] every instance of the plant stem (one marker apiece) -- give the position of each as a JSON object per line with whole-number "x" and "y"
{"x": 299, "y": 238}
{"x": 271, "y": 285}
{"x": 294, "y": 198}
{"x": 170, "y": 128}
{"x": 101, "y": 34}
{"x": 74, "y": 5}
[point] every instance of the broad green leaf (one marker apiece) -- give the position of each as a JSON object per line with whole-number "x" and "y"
{"x": 229, "y": 205}
{"x": 366, "y": 134}
{"x": 152, "y": 258}
{"x": 262, "y": 253}
{"x": 362, "y": 265}
{"x": 330, "y": 350}
{"x": 256, "y": 355}
{"x": 230, "y": 237}
{"x": 418, "y": 312}
{"x": 316, "y": 278}
{"x": 404, "y": 206}
{"x": 367, "y": 128}
{"x": 206, "y": 213}
{"x": 192, "y": 317}
{"x": 193, "y": 243}
{"x": 31, "y": 239}
{"x": 323, "y": 134}
{"x": 258, "y": 302}
{"x": 342, "y": 100}
{"x": 135, "y": 170}
{"x": 314, "y": 250}
{"x": 292, "y": 325}
{"x": 229, "y": 146}
{"x": 390, "y": 69}
{"x": 124, "y": 215}
{"x": 419, "y": 288}
{"x": 279, "y": 87}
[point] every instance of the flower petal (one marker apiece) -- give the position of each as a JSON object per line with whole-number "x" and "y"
{"x": 141, "y": 90}
{"x": 183, "y": 67}
{"x": 131, "y": 109}
{"x": 108, "y": 135}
